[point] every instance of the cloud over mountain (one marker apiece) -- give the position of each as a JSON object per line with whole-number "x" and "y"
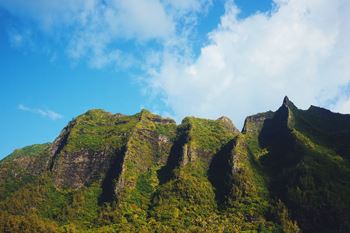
{"x": 299, "y": 49}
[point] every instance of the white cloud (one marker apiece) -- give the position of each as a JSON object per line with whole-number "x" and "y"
{"x": 189, "y": 8}
{"x": 301, "y": 50}
{"x": 47, "y": 13}
{"x": 141, "y": 19}
{"x": 186, "y": 5}
{"x": 102, "y": 25}
{"x": 42, "y": 112}
{"x": 94, "y": 29}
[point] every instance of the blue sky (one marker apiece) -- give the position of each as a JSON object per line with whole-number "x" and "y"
{"x": 176, "y": 58}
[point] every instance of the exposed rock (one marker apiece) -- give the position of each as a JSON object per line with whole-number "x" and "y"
{"x": 286, "y": 101}
{"x": 228, "y": 124}
{"x": 74, "y": 166}
{"x": 255, "y": 123}
{"x": 119, "y": 115}
{"x": 75, "y": 170}
{"x": 189, "y": 154}
{"x": 60, "y": 142}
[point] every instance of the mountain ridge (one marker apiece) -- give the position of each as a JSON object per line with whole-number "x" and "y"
{"x": 144, "y": 173}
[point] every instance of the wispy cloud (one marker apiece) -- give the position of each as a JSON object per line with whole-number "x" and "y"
{"x": 16, "y": 39}
{"x": 42, "y": 112}
{"x": 20, "y": 38}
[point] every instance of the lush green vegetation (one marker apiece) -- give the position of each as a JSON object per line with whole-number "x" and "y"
{"x": 21, "y": 167}
{"x": 287, "y": 172}
{"x": 207, "y": 135}
{"x": 96, "y": 129}
{"x": 28, "y": 151}
{"x": 316, "y": 188}
{"x": 302, "y": 168}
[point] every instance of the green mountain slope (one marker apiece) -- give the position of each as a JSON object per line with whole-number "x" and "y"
{"x": 304, "y": 154}
{"x": 287, "y": 171}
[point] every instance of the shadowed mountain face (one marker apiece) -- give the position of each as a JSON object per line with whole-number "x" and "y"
{"x": 288, "y": 171}
{"x": 306, "y": 159}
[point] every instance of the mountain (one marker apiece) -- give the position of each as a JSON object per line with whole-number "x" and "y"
{"x": 287, "y": 171}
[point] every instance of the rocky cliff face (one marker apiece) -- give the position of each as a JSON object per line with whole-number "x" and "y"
{"x": 128, "y": 145}
{"x": 106, "y": 172}
{"x": 85, "y": 149}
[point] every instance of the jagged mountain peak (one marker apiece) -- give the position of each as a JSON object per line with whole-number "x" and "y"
{"x": 288, "y": 103}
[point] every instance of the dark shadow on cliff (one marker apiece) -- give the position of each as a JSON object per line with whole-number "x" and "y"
{"x": 109, "y": 183}
{"x": 220, "y": 172}
{"x": 60, "y": 147}
{"x": 299, "y": 175}
{"x": 278, "y": 139}
{"x": 174, "y": 159}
